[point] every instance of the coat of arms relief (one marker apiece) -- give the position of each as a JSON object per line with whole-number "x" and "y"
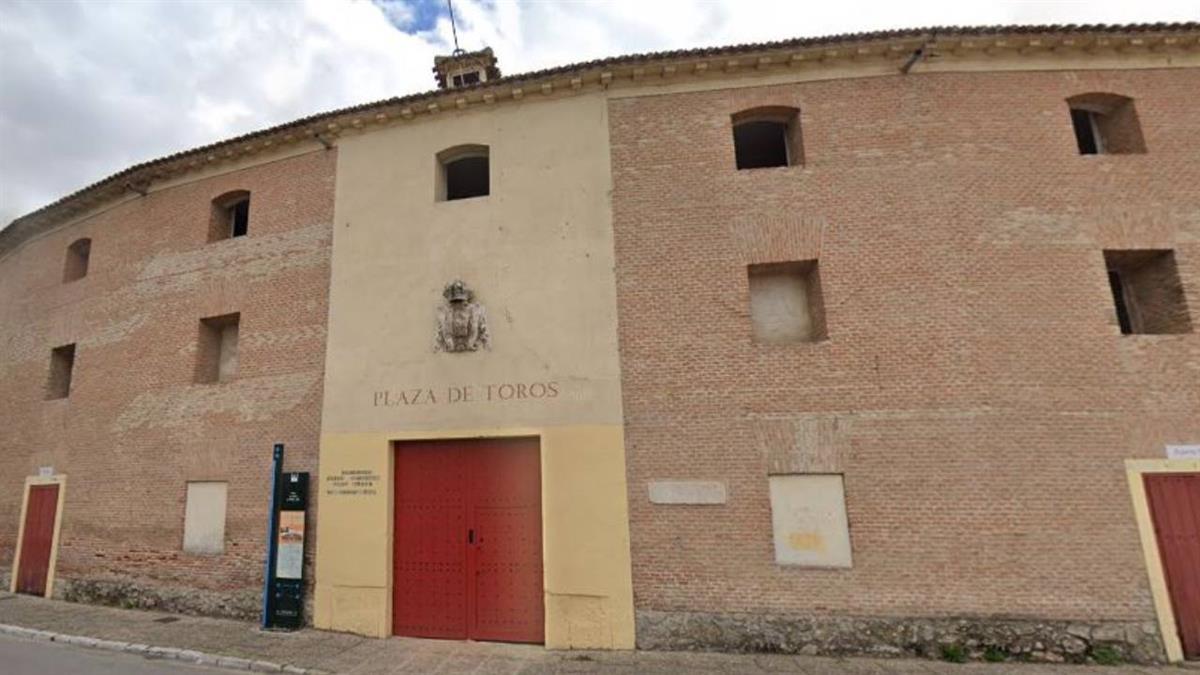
{"x": 461, "y": 322}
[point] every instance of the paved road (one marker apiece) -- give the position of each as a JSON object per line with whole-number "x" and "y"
{"x": 37, "y": 657}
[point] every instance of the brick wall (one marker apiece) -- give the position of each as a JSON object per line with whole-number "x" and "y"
{"x": 136, "y": 426}
{"x": 974, "y": 388}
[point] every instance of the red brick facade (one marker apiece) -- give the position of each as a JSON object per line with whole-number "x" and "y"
{"x": 974, "y": 389}
{"x": 136, "y": 426}
{"x": 967, "y": 376}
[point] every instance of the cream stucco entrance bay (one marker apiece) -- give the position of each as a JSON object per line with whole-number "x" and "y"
{"x": 538, "y": 254}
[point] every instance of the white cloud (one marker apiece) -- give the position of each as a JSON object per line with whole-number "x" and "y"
{"x": 89, "y": 88}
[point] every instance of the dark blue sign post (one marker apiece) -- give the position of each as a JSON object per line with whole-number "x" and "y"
{"x": 283, "y": 595}
{"x": 272, "y": 528}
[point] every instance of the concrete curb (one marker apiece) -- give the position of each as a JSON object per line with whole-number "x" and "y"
{"x": 156, "y": 652}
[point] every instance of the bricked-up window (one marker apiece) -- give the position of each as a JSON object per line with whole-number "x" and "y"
{"x": 463, "y": 172}
{"x": 62, "y": 365}
{"x": 808, "y": 516}
{"x": 1147, "y": 293}
{"x": 217, "y": 351}
{"x": 78, "y": 254}
{"x": 766, "y": 137}
{"x": 204, "y": 518}
{"x": 786, "y": 303}
{"x": 230, "y": 216}
{"x": 1105, "y": 124}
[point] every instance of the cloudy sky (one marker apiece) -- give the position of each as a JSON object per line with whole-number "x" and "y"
{"x": 88, "y": 88}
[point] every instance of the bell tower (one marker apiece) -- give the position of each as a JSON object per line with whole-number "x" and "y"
{"x": 463, "y": 69}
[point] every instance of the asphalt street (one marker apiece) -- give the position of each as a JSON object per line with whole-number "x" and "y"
{"x": 37, "y": 657}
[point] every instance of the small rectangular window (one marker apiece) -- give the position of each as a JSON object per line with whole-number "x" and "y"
{"x": 204, "y": 518}
{"x": 217, "y": 349}
{"x": 463, "y": 172}
{"x": 62, "y": 365}
{"x": 464, "y": 79}
{"x": 230, "y": 216}
{"x": 1148, "y": 295}
{"x": 766, "y": 137}
{"x": 1106, "y": 124}
{"x": 786, "y": 304}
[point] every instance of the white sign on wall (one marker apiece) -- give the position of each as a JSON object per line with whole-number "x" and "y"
{"x": 1183, "y": 452}
{"x": 45, "y": 471}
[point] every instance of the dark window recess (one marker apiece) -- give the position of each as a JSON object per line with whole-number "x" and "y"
{"x": 239, "y": 218}
{"x": 466, "y": 78}
{"x": 1147, "y": 292}
{"x": 759, "y": 144}
{"x": 230, "y": 216}
{"x": 1118, "y": 291}
{"x": 78, "y": 255}
{"x": 1106, "y": 124}
{"x": 1085, "y": 131}
{"x": 62, "y": 364}
{"x": 466, "y": 178}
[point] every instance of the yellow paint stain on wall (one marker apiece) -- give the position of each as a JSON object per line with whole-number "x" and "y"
{"x": 806, "y": 541}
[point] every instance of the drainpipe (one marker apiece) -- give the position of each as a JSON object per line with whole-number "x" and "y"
{"x": 918, "y": 53}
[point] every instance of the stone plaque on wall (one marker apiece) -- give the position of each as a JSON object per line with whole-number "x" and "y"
{"x": 687, "y": 492}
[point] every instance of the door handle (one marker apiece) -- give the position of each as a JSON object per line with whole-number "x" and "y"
{"x": 470, "y": 536}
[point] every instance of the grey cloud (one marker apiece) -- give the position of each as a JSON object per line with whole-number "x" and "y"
{"x": 90, "y": 88}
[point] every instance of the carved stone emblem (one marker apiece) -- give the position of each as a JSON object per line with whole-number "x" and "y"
{"x": 461, "y": 322}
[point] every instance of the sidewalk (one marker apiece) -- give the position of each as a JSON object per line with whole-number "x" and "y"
{"x": 242, "y": 646}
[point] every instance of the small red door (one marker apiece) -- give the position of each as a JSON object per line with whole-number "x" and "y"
{"x": 1175, "y": 508}
{"x": 37, "y": 540}
{"x": 468, "y": 540}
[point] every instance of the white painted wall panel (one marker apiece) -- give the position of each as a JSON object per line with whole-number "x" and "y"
{"x": 808, "y": 512}
{"x": 204, "y": 518}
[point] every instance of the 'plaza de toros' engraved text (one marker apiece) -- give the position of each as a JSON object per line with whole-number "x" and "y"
{"x": 470, "y": 393}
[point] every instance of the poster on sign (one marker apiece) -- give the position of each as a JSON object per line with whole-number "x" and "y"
{"x": 290, "y": 562}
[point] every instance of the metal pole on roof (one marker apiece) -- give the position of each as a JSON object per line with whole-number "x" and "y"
{"x": 453, "y": 28}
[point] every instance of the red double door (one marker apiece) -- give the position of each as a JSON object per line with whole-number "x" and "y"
{"x": 468, "y": 540}
{"x": 1175, "y": 509}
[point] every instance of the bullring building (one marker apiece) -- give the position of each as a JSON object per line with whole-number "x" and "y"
{"x": 857, "y": 344}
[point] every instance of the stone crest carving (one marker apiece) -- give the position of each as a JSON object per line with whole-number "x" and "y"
{"x": 461, "y": 322}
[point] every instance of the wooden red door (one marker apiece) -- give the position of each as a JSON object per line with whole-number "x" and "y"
{"x": 505, "y": 550}
{"x": 37, "y": 539}
{"x": 468, "y": 540}
{"x": 1175, "y": 509}
{"x": 429, "y": 594}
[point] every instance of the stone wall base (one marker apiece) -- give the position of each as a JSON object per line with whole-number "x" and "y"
{"x": 245, "y": 605}
{"x": 971, "y": 638}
